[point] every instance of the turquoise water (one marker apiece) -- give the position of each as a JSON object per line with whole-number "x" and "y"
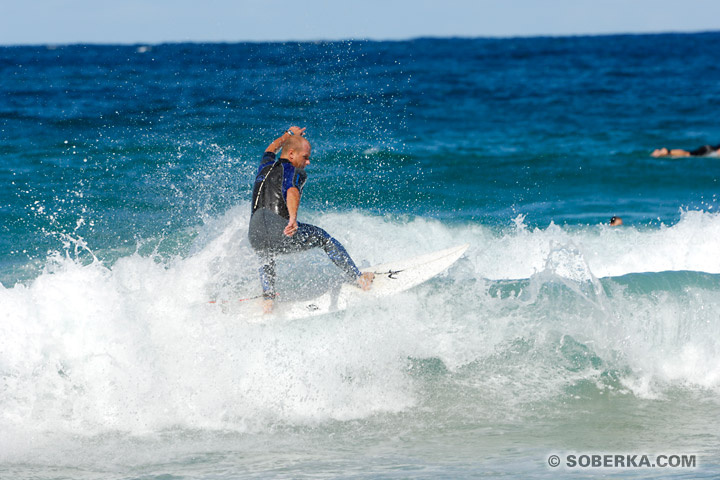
{"x": 127, "y": 173}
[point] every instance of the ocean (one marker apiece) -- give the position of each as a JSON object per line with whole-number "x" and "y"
{"x": 127, "y": 173}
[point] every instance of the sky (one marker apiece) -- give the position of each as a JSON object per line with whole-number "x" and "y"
{"x": 57, "y": 22}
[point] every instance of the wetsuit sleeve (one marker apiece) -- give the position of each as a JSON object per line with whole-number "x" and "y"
{"x": 292, "y": 177}
{"x": 267, "y": 159}
{"x": 299, "y": 178}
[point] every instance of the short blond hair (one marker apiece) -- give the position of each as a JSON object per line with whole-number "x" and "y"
{"x": 296, "y": 142}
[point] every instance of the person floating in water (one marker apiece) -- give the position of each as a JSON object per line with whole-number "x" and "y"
{"x": 616, "y": 221}
{"x": 274, "y": 228}
{"x": 677, "y": 152}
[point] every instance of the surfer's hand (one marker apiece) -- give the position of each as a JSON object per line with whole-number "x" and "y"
{"x": 297, "y": 130}
{"x": 291, "y": 228}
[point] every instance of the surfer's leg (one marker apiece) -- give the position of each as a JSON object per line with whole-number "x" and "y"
{"x": 309, "y": 236}
{"x": 267, "y": 275}
{"x": 365, "y": 280}
{"x": 702, "y": 151}
{"x": 265, "y": 233}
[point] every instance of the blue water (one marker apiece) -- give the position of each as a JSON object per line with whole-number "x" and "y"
{"x": 127, "y": 174}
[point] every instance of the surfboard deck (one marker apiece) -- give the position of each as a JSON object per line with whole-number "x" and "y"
{"x": 390, "y": 278}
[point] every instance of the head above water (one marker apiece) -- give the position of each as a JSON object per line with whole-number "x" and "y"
{"x": 297, "y": 150}
{"x": 616, "y": 221}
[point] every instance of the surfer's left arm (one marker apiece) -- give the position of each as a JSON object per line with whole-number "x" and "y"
{"x": 278, "y": 142}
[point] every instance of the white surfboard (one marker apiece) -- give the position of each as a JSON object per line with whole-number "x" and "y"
{"x": 390, "y": 278}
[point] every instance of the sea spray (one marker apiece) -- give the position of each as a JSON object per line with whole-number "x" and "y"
{"x": 135, "y": 346}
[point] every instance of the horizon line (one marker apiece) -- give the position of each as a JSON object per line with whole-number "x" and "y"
{"x": 360, "y": 39}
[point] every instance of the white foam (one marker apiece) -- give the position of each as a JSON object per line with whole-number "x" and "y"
{"x": 608, "y": 251}
{"x": 135, "y": 347}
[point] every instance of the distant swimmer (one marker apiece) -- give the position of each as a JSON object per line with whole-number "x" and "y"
{"x": 616, "y": 221}
{"x": 274, "y": 228}
{"x": 677, "y": 152}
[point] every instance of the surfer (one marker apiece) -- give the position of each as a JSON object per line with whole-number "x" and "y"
{"x": 274, "y": 228}
{"x": 678, "y": 152}
{"x": 616, "y": 221}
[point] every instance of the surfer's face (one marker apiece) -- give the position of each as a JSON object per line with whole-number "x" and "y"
{"x": 300, "y": 157}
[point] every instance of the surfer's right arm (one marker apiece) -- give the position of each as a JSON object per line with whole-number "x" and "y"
{"x": 293, "y": 202}
{"x": 278, "y": 142}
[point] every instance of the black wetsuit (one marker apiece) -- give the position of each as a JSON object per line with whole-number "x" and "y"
{"x": 704, "y": 150}
{"x": 270, "y": 217}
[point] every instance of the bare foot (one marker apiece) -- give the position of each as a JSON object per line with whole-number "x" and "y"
{"x": 267, "y": 306}
{"x": 365, "y": 280}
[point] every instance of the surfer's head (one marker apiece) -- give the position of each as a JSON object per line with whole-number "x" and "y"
{"x": 616, "y": 221}
{"x": 297, "y": 150}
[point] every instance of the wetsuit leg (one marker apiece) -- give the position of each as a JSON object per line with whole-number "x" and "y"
{"x": 267, "y": 239}
{"x": 267, "y": 275}
{"x": 701, "y": 151}
{"x": 265, "y": 234}
{"x": 309, "y": 236}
